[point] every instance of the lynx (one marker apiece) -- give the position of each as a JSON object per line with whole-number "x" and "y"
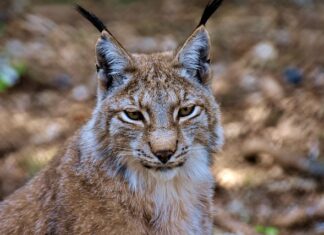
{"x": 141, "y": 164}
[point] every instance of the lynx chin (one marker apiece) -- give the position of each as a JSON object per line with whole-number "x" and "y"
{"x": 141, "y": 164}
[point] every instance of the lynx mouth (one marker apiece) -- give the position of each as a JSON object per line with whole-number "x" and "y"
{"x": 163, "y": 168}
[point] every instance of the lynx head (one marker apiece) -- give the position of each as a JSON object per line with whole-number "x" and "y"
{"x": 156, "y": 113}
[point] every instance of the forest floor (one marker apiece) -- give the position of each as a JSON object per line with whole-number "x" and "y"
{"x": 268, "y": 76}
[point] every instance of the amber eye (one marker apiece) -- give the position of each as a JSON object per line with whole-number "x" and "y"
{"x": 136, "y": 115}
{"x": 186, "y": 111}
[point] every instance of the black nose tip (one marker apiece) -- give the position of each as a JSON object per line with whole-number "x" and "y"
{"x": 164, "y": 156}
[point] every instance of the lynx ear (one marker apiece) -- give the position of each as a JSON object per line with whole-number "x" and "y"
{"x": 112, "y": 61}
{"x": 111, "y": 56}
{"x": 193, "y": 56}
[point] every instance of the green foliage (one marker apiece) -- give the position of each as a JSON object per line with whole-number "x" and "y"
{"x": 32, "y": 167}
{"x": 3, "y": 85}
{"x": 10, "y": 73}
{"x": 20, "y": 67}
{"x": 267, "y": 230}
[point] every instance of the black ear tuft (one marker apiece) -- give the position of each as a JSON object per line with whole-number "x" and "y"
{"x": 211, "y": 7}
{"x": 92, "y": 18}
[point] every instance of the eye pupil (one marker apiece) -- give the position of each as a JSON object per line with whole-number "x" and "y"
{"x": 186, "y": 111}
{"x": 136, "y": 116}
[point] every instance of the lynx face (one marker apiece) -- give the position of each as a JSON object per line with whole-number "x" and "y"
{"x": 156, "y": 112}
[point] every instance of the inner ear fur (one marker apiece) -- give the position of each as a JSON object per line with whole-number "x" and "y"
{"x": 111, "y": 55}
{"x": 113, "y": 62}
{"x": 194, "y": 55}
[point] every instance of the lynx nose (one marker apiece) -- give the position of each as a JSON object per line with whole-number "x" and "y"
{"x": 163, "y": 144}
{"x": 164, "y": 156}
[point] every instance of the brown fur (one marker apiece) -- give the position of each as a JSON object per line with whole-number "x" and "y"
{"x": 108, "y": 180}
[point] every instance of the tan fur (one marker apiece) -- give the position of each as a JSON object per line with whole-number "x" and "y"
{"x": 108, "y": 181}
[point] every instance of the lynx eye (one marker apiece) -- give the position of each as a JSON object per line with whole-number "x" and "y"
{"x": 135, "y": 115}
{"x": 186, "y": 111}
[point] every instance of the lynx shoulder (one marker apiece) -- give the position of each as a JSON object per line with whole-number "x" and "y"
{"x": 141, "y": 164}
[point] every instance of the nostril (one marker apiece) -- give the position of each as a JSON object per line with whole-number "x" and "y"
{"x": 164, "y": 156}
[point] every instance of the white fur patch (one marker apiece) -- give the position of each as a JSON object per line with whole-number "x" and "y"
{"x": 175, "y": 190}
{"x": 88, "y": 140}
{"x": 164, "y": 176}
{"x": 116, "y": 60}
{"x": 220, "y": 137}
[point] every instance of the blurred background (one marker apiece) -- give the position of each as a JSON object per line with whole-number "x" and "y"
{"x": 268, "y": 76}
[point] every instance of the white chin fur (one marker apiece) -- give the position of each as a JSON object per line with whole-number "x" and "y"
{"x": 164, "y": 175}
